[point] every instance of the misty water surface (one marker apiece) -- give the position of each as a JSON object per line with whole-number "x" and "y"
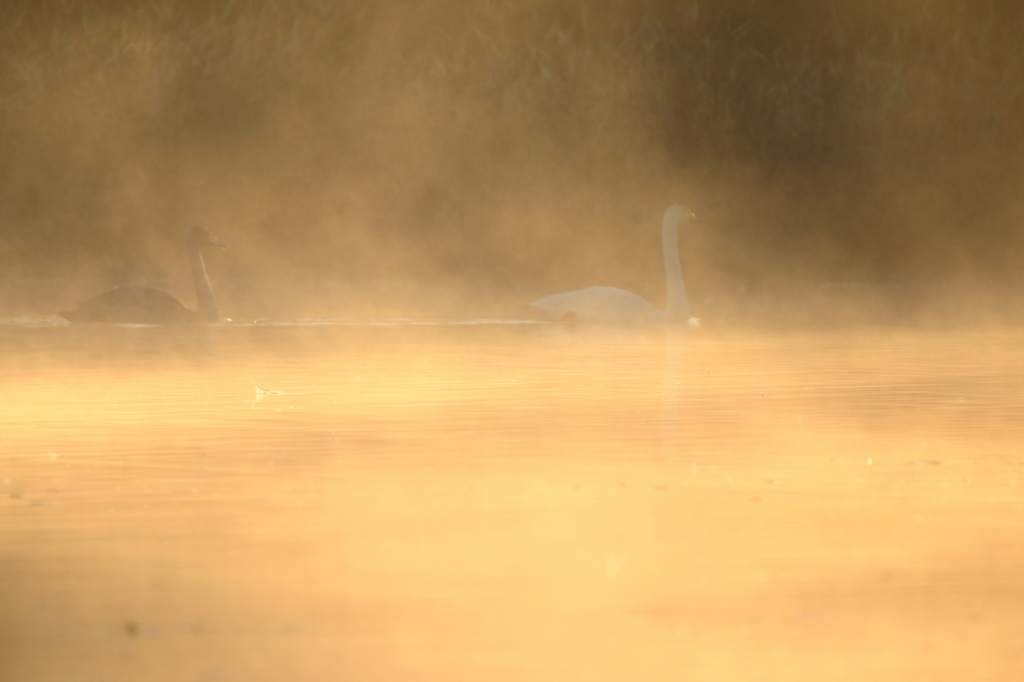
{"x": 488, "y": 501}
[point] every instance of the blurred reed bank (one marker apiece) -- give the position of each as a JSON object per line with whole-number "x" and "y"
{"x": 437, "y": 155}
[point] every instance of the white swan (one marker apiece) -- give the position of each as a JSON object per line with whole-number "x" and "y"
{"x": 145, "y": 305}
{"x": 609, "y": 304}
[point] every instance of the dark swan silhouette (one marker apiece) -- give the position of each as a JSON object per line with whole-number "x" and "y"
{"x": 145, "y": 305}
{"x": 609, "y": 304}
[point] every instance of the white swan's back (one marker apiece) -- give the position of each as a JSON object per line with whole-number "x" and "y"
{"x": 596, "y": 304}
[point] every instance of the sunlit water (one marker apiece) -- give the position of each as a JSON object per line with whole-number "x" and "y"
{"x": 509, "y": 502}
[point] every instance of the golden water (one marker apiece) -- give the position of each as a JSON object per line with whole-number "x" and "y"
{"x": 509, "y": 502}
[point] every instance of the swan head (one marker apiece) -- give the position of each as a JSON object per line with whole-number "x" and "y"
{"x": 676, "y": 214}
{"x": 200, "y": 235}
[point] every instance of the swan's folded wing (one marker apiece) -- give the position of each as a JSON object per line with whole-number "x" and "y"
{"x": 596, "y": 304}
{"x": 131, "y": 305}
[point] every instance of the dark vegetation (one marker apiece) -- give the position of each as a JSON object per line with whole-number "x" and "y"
{"x": 516, "y": 145}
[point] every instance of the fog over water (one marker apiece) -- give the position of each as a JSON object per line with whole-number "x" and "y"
{"x": 378, "y": 466}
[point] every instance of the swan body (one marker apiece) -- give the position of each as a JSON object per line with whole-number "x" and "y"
{"x": 131, "y": 304}
{"x": 609, "y": 304}
{"x": 596, "y": 304}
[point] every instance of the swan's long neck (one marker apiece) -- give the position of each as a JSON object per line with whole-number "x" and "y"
{"x": 206, "y": 308}
{"x": 676, "y": 308}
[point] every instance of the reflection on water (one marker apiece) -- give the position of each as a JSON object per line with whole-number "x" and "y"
{"x": 508, "y": 501}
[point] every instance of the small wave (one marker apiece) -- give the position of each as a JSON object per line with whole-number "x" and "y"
{"x": 34, "y": 321}
{"x": 55, "y": 321}
{"x": 381, "y": 322}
